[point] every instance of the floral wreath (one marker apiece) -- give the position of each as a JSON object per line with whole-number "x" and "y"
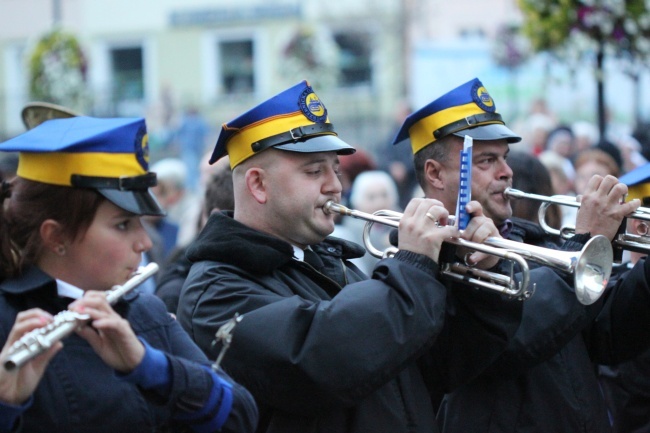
{"x": 57, "y": 70}
{"x": 311, "y": 53}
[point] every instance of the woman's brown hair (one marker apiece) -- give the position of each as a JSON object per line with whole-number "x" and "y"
{"x": 27, "y": 204}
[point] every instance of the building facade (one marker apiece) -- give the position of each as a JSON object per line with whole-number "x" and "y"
{"x": 155, "y": 58}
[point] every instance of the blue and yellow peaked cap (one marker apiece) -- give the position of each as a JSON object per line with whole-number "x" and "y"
{"x": 466, "y": 110}
{"x": 295, "y": 120}
{"x": 108, "y": 155}
{"x": 638, "y": 184}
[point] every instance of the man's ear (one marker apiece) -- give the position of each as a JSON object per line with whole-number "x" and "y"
{"x": 52, "y": 236}
{"x": 433, "y": 174}
{"x": 256, "y": 185}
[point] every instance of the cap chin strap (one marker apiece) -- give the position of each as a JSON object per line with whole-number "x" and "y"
{"x": 119, "y": 183}
{"x": 468, "y": 122}
{"x": 293, "y": 135}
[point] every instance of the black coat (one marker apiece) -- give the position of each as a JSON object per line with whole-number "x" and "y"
{"x": 626, "y": 388}
{"x": 330, "y": 350}
{"x": 80, "y": 393}
{"x": 546, "y": 381}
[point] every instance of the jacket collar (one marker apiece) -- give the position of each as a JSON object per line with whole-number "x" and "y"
{"x": 226, "y": 240}
{"x": 32, "y": 279}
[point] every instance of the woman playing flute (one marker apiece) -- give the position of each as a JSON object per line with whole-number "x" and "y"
{"x": 70, "y": 231}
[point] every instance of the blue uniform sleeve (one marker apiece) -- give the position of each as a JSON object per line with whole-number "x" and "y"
{"x": 214, "y": 413}
{"x": 211, "y": 402}
{"x": 152, "y": 373}
{"x": 10, "y": 413}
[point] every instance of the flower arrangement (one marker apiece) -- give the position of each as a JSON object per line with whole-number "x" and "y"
{"x": 510, "y": 48}
{"x": 311, "y": 52}
{"x": 57, "y": 70}
{"x": 622, "y": 26}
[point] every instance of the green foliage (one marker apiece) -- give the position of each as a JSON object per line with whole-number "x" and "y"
{"x": 621, "y": 26}
{"x": 547, "y": 23}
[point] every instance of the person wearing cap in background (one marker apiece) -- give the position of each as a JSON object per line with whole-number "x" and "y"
{"x": 544, "y": 382}
{"x": 69, "y": 231}
{"x": 32, "y": 114}
{"x": 322, "y": 347}
{"x": 36, "y": 112}
{"x": 626, "y": 386}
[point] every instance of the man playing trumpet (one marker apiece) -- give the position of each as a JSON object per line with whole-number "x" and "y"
{"x": 322, "y": 347}
{"x": 544, "y": 382}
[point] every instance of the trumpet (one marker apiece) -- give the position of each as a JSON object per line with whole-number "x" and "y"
{"x": 39, "y": 340}
{"x": 638, "y": 243}
{"x": 590, "y": 267}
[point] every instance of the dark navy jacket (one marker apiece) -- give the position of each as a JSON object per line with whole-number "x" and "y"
{"x": 626, "y": 387}
{"x": 329, "y": 350}
{"x": 79, "y": 393}
{"x": 545, "y": 381}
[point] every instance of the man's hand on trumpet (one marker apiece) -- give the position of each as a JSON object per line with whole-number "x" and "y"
{"x": 423, "y": 227}
{"x": 601, "y": 211}
{"x": 478, "y": 230}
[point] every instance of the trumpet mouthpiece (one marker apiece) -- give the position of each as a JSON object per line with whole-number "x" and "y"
{"x": 330, "y": 207}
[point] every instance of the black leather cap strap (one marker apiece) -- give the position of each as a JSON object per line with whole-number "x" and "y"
{"x": 467, "y": 122}
{"x": 120, "y": 183}
{"x": 295, "y": 134}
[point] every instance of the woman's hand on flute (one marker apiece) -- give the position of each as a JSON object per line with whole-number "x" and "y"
{"x": 17, "y": 385}
{"x": 109, "y": 334}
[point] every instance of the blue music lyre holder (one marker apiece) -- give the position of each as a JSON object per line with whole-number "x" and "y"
{"x": 465, "y": 186}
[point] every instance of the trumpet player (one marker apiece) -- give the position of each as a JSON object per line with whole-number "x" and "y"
{"x": 322, "y": 347}
{"x": 626, "y": 385}
{"x": 70, "y": 230}
{"x": 545, "y": 381}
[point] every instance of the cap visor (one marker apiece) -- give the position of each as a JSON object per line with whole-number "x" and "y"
{"x": 141, "y": 202}
{"x": 490, "y": 132}
{"x": 321, "y": 143}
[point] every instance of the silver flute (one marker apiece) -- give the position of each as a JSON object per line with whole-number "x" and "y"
{"x": 39, "y": 340}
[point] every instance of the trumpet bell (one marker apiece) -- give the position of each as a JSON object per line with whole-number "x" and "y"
{"x": 594, "y": 267}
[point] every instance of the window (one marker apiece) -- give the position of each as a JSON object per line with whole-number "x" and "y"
{"x": 237, "y": 66}
{"x": 354, "y": 58}
{"x": 128, "y": 77}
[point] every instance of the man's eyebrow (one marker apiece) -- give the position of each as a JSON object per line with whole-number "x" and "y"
{"x": 312, "y": 161}
{"x": 490, "y": 153}
{"x": 486, "y": 153}
{"x": 319, "y": 159}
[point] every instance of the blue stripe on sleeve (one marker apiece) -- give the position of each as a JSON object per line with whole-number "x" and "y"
{"x": 219, "y": 401}
{"x": 9, "y": 413}
{"x": 152, "y": 373}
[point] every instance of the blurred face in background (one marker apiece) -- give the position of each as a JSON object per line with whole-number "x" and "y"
{"x": 586, "y": 171}
{"x": 593, "y": 162}
{"x": 373, "y": 191}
